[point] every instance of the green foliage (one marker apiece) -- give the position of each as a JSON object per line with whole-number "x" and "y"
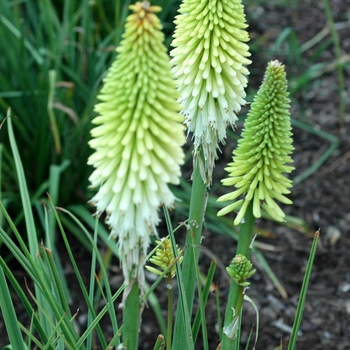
{"x": 47, "y": 304}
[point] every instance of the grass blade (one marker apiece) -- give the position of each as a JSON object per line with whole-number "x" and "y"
{"x": 304, "y": 288}
{"x": 206, "y": 290}
{"x": 187, "y": 341}
{"x": 25, "y": 302}
{"x": 29, "y": 219}
{"x": 9, "y": 315}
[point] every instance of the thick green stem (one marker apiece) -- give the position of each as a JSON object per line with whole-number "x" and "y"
{"x": 235, "y": 299}
{"x": 131, "y": 320}
{"x": 195, "y": 222}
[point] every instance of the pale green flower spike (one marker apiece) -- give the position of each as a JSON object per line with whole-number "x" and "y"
{"x": 164, "y": 257}
{"x": 137, "y": 139}
{"x": 209, "y": 58}
{"x": 240, "y": 270}
{"x": 262, "y": 152}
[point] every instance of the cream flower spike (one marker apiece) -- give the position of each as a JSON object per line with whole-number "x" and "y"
{"x": 137, "y": 139}
{"x": 260, "y": 158}
{"x": 209, "y": 58}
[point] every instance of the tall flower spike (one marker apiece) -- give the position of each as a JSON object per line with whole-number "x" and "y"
{"x": 262, "y": 152}
{"x": 137, "y": 139}
{"x": 209, "y": 58}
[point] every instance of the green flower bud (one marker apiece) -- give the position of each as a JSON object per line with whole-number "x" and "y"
{"x": 209, "y": 57}
{"x": 164, "y": 257}
{"x": 240, "y": 270}
{"x": 263, "y": 151}
{"x": 137, "y": 138}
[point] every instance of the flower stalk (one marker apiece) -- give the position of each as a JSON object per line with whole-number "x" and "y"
{"x": 209, "y": 57}
{"x": 193, "y": 237}
{"x": 236, "y": 294}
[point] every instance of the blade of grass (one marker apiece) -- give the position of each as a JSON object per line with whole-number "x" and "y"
{"x": 201, "y": 308}
{"x": 110, "y": 299}
{"x": 190, "y": 261}
{"x": 53, "y": 187}
{"x": 186, "y": 342}
{"x": 1, "y": 214}
{"x": 303, "y": 292}
{"x": 50, "y": 111}
{"x": 9, "y": 315}
{"x": 206, "y": 290}
{"x": 28, "y": 214}
{"x": 131, "y": 318}
{"x": 37, "y": 273}
{"x": 29, "y": 219}
{"x": 86, "y": 295}
{"x": 56, "y": 278}
{"x": 24, "y": 301}
{"x": 257, "y": 321}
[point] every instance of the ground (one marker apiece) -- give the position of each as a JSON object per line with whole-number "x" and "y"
{"x": 322, "y": 200}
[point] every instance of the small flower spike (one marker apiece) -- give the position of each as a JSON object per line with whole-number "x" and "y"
{"x": 164, "y": 257}
{"x": 209, "y": 57}
{"x": 137, "y": 139}
{"x": 240, "y": 270}
{"x": 262, "y": 152}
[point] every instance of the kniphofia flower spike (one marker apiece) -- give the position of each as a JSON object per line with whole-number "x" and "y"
{"x": 210, "y": 55}
{"x": 137, "y": 139}
{"x": 260, "y": 158}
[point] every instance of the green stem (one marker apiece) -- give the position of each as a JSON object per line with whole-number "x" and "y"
{"x": 131, "y": 320}
{"x": 235, "y": 299}
{"x": 240, "y": 299}
{"x": 195, "y": 222}
{"x": 170, "y": 312}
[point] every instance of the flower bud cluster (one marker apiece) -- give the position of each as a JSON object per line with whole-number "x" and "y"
{"x": 240, "y": 270}
{"x": 164, "y": 257}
